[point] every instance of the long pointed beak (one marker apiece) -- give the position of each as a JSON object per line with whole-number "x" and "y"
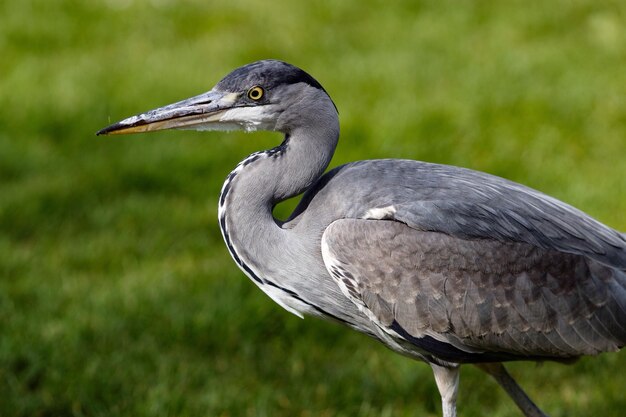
{"x": 193, "y": 113}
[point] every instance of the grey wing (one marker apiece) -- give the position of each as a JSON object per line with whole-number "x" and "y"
{"x": 471, "y": 204}
{"x": 468, "y": 204}
{"x": 470, "y": 300}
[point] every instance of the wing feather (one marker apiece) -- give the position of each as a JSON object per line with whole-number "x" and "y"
{"x": 467, "y": 204}
{"x": 478, "y": 294}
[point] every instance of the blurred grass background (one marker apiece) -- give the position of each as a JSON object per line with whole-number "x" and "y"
{"x": 117, "y": 296}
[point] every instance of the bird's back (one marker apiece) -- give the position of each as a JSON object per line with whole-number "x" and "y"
{"x": 462, "y": 203}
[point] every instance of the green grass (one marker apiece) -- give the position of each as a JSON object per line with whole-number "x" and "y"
{"x": 117, "y": 296}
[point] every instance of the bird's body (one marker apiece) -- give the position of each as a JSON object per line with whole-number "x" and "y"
{"x": 440, "y": 263}
{"x": 531, "y": 256}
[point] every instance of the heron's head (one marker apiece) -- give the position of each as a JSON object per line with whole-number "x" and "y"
{"x": 264, "y": 95}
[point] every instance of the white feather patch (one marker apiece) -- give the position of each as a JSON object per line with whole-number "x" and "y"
{"x": 380, "y": 213}
{"x": 250, "y": 118}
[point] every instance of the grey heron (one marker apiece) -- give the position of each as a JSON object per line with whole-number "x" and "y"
{"x": 440, "y": 263}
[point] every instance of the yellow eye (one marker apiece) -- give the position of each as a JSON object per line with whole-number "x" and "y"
{"x": 255, "y": 93}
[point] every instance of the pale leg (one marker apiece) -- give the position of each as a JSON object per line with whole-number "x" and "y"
{"x": 447, "y": 379}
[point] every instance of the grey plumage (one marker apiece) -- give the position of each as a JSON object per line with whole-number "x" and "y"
{"x": 491, "y": 300}
{"x": 440, "y": 263}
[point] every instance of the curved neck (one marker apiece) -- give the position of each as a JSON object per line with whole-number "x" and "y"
{"x": 261, "y": 248}
{"x": 266, "y": 178}
{"x": 286, "y": 263}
